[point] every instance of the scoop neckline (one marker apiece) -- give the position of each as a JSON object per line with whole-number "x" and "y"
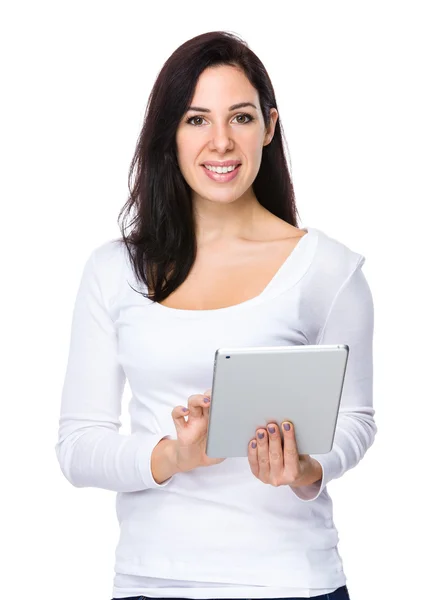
{"x": 304, "y": 244}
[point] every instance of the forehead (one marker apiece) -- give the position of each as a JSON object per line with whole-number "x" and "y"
{"x": 221, "y": 87}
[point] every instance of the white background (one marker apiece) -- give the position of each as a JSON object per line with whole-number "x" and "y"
{"x": 358, "y": 92}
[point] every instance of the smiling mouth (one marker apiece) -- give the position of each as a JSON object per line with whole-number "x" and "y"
{"x": 213, "y": 169}
{"x": 222, "y": 177}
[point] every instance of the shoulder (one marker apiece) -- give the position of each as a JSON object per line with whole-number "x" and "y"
{"x": 335, "y": 274}
{"x": 109, "y": 252}
{"x": 110, "y": 259}
{"x": 109, "y": 263}
{"x": 335, "y": 256}
{"x": 336, "y": 266}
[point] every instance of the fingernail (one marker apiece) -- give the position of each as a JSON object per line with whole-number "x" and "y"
{"x": 206, "y": 399}
{"x": 184, "y": 409}
{"x": 286, "y": 426}
{"x": 271, "y": 429}
{"x": 260, "y": 435}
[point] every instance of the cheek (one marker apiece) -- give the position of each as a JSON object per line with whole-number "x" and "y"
{"x": 188, "y": 150}
{"x": 252, "y": 146}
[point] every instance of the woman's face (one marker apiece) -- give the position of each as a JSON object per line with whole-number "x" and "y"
{"x": 220, "y": 134}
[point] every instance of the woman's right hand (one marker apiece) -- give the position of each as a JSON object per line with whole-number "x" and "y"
{"x": 191, "y": 440}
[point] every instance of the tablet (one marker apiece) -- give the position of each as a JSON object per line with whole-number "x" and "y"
{"x": 254, "y": 386}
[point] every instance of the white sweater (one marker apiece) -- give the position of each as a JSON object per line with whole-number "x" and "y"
{"x": 218, "y": 531}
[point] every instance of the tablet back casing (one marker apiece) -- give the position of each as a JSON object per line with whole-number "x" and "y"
{"x": 254, "y": 386}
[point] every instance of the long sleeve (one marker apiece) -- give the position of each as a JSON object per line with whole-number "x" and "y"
{"x": 90, "y": 450}
{"x": 350, "y": 321}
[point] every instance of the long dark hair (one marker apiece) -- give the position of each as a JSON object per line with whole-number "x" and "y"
{"x": 162, "y": 242}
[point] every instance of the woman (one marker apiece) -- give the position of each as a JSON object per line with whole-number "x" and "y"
{"x": 215, "y": 258}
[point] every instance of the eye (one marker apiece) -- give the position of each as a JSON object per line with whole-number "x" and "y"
{"x": 248, "y": 116}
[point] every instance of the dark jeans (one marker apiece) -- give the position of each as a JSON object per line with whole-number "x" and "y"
{"x": 341, "y": 593}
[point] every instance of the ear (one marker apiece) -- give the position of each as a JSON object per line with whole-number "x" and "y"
{"x": 274, "y": 115}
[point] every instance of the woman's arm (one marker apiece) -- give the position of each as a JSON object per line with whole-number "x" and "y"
{"x": 350, "y": 321}
{"x": 90, "y": 450}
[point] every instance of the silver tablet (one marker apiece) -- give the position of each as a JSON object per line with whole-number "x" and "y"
{"x": 257, "y": 385}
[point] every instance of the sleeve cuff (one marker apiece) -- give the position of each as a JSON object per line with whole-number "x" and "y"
{"x": 144, "y": 461}
{"x": 308, "y": 493}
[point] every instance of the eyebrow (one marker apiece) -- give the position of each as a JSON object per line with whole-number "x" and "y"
{"x": 232, "y": 107}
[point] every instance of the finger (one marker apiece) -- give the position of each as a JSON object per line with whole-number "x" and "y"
{"x": 275, "y": 452}
{"x": 262, "y": 455}
{"x": 252, "y": 457}
{"x": 290, "y": 451}
{"x": 178, "y": 416}
{"x": 196, "y": 406}
{"x": 206, "y": 394}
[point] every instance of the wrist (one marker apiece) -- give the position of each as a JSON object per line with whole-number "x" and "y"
{"x": 163, "y": 460}
{"x": 171, "y": 453}
{"x": 314, "y": 477}
{"x": 317, "y": 470}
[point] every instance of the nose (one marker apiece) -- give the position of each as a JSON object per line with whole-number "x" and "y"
{"x": 221, "y": 140}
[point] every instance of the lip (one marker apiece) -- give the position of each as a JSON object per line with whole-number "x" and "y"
{"x": 219, "y": 163}
{"x": 222, "y": 177}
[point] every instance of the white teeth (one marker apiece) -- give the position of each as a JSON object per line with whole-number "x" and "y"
{"x": 221, "y": 169}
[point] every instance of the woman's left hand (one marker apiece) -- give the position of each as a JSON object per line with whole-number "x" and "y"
{"x": 276, "y": 466}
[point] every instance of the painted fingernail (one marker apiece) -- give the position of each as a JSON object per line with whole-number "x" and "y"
{"x": 253, "y": 444}
{"x": 206, "y": 399}
{"x": 271, "y": 429}
{"x": 286, "y": 426}
{"x": 260, "y": 435}
{"x": 185, "y": 410}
